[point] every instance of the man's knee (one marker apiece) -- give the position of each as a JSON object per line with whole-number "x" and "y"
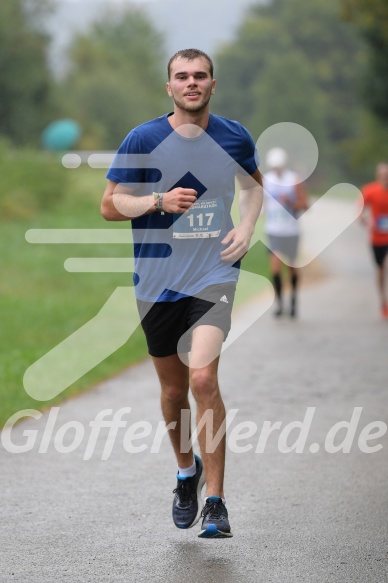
{"x": 174, "y": 394}
{"x": 204, "y": 384}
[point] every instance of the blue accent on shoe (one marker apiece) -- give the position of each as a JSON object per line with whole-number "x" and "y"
{"x": 210, "y": 531}
{"x": 215, "y": 522}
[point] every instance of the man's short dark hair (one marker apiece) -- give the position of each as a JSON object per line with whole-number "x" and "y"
{"x": 190, "y": 55}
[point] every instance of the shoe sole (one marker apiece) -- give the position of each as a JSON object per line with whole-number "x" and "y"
{"x": 212, "y": 531}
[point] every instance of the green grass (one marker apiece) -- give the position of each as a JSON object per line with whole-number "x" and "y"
{"x": 41, "y": 304}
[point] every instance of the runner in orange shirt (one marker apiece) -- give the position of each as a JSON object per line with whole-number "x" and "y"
{"x": 375, "y": 216}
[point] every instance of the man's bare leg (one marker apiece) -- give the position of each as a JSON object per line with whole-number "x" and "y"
{"x": 204, "y": 359}
{"x": 174, "y": 381}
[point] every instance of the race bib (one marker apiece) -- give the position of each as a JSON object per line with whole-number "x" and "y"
{"x": 382, "y": 223}
{"x": 204, "y": 219}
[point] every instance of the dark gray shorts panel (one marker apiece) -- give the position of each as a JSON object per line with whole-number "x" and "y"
{"x": 287, "y": 245}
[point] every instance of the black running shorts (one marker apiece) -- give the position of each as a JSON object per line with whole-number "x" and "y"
{"x": 165, "y": 322}
{"x": 379, "y": 253}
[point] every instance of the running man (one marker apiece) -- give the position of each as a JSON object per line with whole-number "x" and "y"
{"x": 285, "y": 198}
{"x": 187, "y": 252}
{"x": 375, "y": 217}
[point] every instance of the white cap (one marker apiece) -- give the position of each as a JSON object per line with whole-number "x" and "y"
{"x": 276, "y": 158}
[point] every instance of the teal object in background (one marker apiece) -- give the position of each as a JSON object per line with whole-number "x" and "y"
{"x": 61, "y": 134}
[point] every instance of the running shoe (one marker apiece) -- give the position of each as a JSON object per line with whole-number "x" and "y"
{"x": 186, "y": 511}
{"x": 215, "y": 522}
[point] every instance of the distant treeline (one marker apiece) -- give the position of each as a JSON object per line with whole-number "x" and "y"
{"x": 322, "y": 64}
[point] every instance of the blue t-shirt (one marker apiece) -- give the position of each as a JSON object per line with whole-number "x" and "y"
{"x": 179, "y": 255}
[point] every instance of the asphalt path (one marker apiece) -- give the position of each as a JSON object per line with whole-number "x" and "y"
{"x": 312, "y": 515}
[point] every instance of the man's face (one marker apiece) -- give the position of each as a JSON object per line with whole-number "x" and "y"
{"x": 190, "y": 84}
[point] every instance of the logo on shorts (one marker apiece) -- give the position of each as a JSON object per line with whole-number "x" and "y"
{"x": 224, "y": 299}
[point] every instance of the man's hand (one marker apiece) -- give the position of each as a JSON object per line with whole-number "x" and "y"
{"x": 238, "y": 240}
{"x": 179, "y": 200}
{"x": 251, "y": 199}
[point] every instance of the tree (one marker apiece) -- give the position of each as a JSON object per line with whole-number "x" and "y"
{"x": 298, "y": 101}
{"x": 294, "y": 61}
{"x": 371, "y": 18}
{"x": 115, "y": 81}
{"x": 25, "y": 80}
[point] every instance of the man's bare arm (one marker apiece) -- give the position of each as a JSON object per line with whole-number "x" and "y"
{"x": 251, "y": 198}
{"x": 301, "y": 203}
{"x": 119, "y": 203}
{"x": 250, "y": 201}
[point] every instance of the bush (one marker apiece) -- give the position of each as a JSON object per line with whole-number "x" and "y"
{"x": 30, "y": 182}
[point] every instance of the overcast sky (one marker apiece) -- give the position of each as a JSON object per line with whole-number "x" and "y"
{"x": 204, "y": 25}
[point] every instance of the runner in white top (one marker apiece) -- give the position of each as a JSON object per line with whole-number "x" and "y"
{"x": 284, "y": 198}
